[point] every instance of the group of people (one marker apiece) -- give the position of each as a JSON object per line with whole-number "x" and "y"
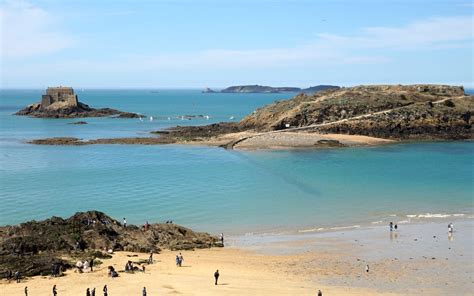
{"x": 85, "y": 266}
{"x": 450, "y": 227}
{"x": 129, "y": 267}
{"x": 56, "y": 269}
{"x": 392, "y": 227}
{"x": 179, "y": 260}
{"x": 94, "y": 221}
{"x": 9, "y": 275}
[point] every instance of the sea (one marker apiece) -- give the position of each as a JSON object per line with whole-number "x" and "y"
{"x": 212, "y": 189}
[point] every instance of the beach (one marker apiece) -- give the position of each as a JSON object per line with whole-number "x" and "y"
{"x": 417, "y": 259}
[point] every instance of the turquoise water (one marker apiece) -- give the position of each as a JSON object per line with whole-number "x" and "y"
{"x": 213, "y": 189}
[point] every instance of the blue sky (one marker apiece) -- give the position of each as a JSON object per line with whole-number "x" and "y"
{"x": 186, "y": 43}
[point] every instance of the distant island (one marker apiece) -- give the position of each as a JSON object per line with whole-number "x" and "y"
{"x": 269, "y": 89}
{"x": 353, "y": 116}
{"x": 61, "y": 102}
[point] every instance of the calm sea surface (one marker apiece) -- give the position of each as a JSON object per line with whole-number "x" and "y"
{"x": 213, "y": 189}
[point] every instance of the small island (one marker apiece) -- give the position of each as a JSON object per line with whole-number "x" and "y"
{"x": 62, "y": 102}
{"x": 252, "y": 89}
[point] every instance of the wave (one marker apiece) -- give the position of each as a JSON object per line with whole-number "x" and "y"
{"x": 311, "y": 230}
{"x": 344, "y": 227}
{"x": 436, "y": 215}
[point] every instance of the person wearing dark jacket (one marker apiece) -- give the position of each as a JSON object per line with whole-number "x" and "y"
{"x": 216, "y": 276}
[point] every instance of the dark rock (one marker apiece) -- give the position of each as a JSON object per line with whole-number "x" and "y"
{"x": 259, "y": 89}
{"x": 68, "y": 111}
{"x": 32, "y": 247}
{"x": 208, "y": 91}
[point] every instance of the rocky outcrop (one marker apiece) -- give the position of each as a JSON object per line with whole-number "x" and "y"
{"x": 387, "y": 111}
{"x": 63, "y": 110}
{"x": 209, "y": 91}
{"x": 314, "y": 89}
{"x": 32, "y": 247}
{"x": 259, "y": 89}
{"x": 179, "y": 134}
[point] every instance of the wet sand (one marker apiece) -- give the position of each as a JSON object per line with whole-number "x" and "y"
{"x": 418, "y": 259}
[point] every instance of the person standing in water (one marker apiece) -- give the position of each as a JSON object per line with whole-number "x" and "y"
{"x": 216, "y": 276}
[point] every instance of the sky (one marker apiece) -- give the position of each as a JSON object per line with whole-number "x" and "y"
{"x": 212, "y": 43}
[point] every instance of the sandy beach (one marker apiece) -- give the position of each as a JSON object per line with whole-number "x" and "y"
{"x": 418, "y": 259}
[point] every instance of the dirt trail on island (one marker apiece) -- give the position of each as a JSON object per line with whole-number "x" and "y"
{"x": 236, "y": 142}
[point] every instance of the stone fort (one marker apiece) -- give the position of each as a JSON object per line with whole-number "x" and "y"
{"x": 59, "y": 94}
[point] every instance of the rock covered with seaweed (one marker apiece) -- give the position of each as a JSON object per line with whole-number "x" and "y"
{"x": 33, "y": 246}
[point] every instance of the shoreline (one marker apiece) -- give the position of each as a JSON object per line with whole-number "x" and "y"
{"x": 410, "y": 261}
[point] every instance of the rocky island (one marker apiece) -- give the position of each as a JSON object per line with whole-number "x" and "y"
{"x": 61, "y": 102}
{"x": 361, "y": 115}
{"x": 32, "y": 247}
{"x": 269, "y": 89}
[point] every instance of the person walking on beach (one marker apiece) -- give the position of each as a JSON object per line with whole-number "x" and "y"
{"x": 88, "y": 292}
{"x": 91, "y": 263}
{"x": 181, "y": 259}
{"x": 216, "y": 276}
{"x": 320, "y": 293}
{"x": 105, "y": 290}
{"x": 450, "y": 227}
{"x": 391, "y": 226}
{"x": 367, "y": 268}
{"x": 55, "y": 292}
{"x": 144, "y": 291}
{"x": 17, "y": 276}
{"x": 150, "y": 259}
{"x": 124, "y": 222}
{"x": 178, "y": 263}
{"x": 26, "y": 291}
{"x": 222, "y": 238}
{"x": 93, "y": 292}
{"x": 396, "y": 227}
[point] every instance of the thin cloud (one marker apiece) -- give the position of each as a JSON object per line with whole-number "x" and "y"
{"x": 28, "y": 31}
{"x": 420, "y": 35}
